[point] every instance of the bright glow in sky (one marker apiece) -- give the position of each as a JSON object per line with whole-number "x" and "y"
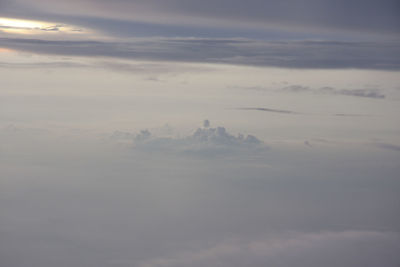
{"x": 21, "y": 26}
{"x": 19, "y": 23}
{"x": 5, "y": 50}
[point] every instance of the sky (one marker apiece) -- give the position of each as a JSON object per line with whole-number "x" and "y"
{"x": 199, "y": 133}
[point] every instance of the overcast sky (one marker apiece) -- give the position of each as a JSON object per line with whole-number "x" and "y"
{"x": 305, "y": 15}
{"x": 199, "y": 133}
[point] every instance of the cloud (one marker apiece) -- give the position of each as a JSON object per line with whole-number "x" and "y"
{"x": 95, "y": 203}
{"x": 270, "y": 110}
{"x": 362, "y": 92}
{"x": 350, "y": 115}
{"x": 22, "y": 26}
{"x": 370, "y": 93}
{"x": 307, "y": 15}
{"x": 206, "y": 141}
{"x": 388, "y": 146}
{"x": 149, "y": 69}
{"x": 296, "y": 88}
{"x": 346, "y": 249}
{"x": 297, "y": 113}
{"x": 39, "y": 65}
{"x": 286, "y": 54}
{"x": 46, "y": 28}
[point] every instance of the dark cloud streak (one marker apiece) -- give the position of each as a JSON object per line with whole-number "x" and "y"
{"x": 286, "y": 54}
{"x": 270, "y": 110}
{"x": 388, "y": 146}
{"x": 360, "y": 92}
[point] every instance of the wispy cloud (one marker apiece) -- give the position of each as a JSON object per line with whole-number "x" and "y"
{"x": 362, "y": 92}
{"x": 359, "y": 92}
{"x": 371, "y": 93}
{"x": 41, "y": 64}
{"x": 388, "y": 146}
{"x": 270, "y": 110}
{"x": 307, "y": 249}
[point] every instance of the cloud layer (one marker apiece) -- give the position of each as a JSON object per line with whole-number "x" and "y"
{"x": 75, "y": 199}
{"x": 300, "y": 250}
{"x": 286, "y": 54}
{"x": 354, "y": 15}
{"x": 311, "y": 182}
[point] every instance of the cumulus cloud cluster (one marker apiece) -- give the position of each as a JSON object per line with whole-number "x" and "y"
{"x": 204, "y": 141}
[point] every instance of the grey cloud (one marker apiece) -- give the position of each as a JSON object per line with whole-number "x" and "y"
{"x": 139, "y": 68}
{"x": 203, "y": 142}
{"x": 288, "y": 54}
{"x": 270, "y": 110}
{"x": 148, "y": 68}
{"x": 378, "y": 144}
{"x": 388, "y": 146}
{"x": 307, "y": 143}
{"x": 296, "y": 88}
{"x": 354, "y": 15}
{"x": 293, "y": 112}
{"x": 351, "y": 115}
{"x": 370, "y": 93}
{"x": 46, "y": 29}
{"x": 52, "y": 28}
{"x": 301, "y": 250}
{"x": 94, "y": 203}
{"x": 56, "y": 64}
{"x": 362, "y": 92}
